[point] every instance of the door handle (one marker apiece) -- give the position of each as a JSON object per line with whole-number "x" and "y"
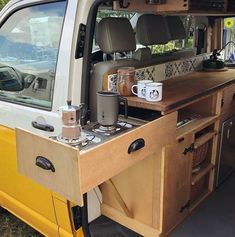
{"x": 44, "y": 127}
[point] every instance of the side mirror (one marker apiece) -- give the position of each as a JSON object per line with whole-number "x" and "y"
{"x": 10, "y": 79}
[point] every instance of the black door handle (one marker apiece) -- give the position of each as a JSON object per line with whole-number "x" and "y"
{"x": 44, "y": 163}
{"x": 44, "y": 127}
{"x": 136, "y": 145}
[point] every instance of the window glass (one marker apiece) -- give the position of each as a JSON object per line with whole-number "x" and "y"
{"x": 229, "y": 39}
{"x": 29, "y": 42}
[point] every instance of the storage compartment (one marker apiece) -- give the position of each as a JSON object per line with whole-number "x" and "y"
{"x": 202, "y": 165}
{"x": 180, "y": 5}
{"x": 143, "y": 114}
{"x": 200, "y": 154}
{"x": 71, "y": 173}
{"x": 194, "y": 117}
{"x": 203, "y": 146}
{"x": 228, "y": 101}
{"x": 199, "y": 189}
{"x": 208, "y": 5}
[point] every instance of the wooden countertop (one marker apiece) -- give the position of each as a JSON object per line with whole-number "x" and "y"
{"x": 184, "y": 89}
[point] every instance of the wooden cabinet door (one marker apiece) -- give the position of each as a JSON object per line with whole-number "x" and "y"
{"x": 228, "y": 104}
{"x": 177, "y": 178}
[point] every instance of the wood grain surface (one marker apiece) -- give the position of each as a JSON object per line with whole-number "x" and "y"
{"x": 182, "y": 90}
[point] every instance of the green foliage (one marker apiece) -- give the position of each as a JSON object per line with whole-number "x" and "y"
{"x": 108, "y": 13}
{"x": 3, "y": 3}
{"x": 170, "y": 46}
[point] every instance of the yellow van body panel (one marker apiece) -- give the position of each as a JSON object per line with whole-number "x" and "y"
{"x": 28, "y": 200}
{"x": 63, "y": 215}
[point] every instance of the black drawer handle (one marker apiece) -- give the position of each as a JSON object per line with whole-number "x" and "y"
{"x": 44, "y": 163}
{"x": 136, "y": 145}
{"x": 44, "y": 127}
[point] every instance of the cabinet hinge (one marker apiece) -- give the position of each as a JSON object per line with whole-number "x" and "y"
{"x": 186, "y": 206}
{"x": 189, "y": 149}
{"x": 80, "y": 41}
{"x": 222, "y": 103}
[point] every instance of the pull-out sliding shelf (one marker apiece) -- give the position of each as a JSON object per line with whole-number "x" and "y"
{"x": 71, "y": 173}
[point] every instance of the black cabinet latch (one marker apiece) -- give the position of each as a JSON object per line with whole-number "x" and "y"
{"x": 81, "y": 41}
{"x": 186, "y": 206}
{"x": 188, "y": 149}
{"x": 222, "y": 103}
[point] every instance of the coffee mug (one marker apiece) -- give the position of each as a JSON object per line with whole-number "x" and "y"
{"x": 141, "y": 88}
{"x": 108, "y": 107}
{"x": 154, "y": 91}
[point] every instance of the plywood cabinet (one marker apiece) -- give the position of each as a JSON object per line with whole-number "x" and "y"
{"x": 198, "y": 6}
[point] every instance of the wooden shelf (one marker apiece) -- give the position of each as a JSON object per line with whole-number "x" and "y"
{"x": 196, "y": 125}
{"x": 204, "y": 171}
{"x": 185, "y": 90}
{"x": 202, "y": 197}
{"x": 203, "y": 139}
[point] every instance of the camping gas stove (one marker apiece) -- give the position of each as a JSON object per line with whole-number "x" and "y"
{"x": 93, "y": 134}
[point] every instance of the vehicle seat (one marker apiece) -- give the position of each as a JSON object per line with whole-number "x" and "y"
{"x": 114, "y": 35}
{"x": 177, "y": 32}
{"x": 153, "y": 30}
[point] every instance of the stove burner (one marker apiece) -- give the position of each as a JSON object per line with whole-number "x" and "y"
{"x": 73, "y": 142}
{"x": 107, "y": 131}
{"x": 110, "y": 130}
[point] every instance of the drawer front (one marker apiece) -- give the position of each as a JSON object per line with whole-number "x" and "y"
{"x": 64, "y": 178}
{"x": 75, "y": 173}
{"x": 228, "y": 99}
{"x": 111, "y": 158}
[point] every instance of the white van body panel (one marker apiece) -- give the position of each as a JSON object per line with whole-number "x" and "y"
{"x": 67, "y": 82}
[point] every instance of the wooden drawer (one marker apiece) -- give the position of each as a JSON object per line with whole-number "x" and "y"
{"x": 228, "y": 102}
{"x": 76, "y": 172}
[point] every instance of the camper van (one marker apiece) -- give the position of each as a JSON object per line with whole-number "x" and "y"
{"x": 117, "y": 116}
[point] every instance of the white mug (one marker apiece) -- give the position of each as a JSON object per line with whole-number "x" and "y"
{"x": 154, "y": 91}
{"x": 141, "y": 88}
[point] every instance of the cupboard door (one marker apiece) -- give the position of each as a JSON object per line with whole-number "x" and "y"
{"x": 228, "y": 103}
{"x": 177, "y": 177}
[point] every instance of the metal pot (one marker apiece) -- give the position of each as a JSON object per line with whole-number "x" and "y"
{"x": 108, "y": 107}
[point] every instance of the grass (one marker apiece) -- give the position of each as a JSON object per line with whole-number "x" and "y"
{"x": 10, "y": 226}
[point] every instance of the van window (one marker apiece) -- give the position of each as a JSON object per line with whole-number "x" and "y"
{"x": 29, "y": 42}
{"x": 228, "y": 36}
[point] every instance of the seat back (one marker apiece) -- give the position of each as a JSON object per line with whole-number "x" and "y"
{"x": 177, "y": 32}
{"x": 113, "y": 35}
{"x": 153, "y": 30}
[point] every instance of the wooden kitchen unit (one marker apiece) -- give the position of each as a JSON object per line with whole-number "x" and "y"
{"x": 154, "y": 187}
{"x": 161, "y": 191}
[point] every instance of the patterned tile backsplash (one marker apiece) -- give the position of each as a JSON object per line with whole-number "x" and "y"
{"x": 163, "y": 71}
